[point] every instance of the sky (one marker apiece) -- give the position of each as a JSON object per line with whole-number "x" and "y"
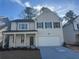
{"x": 14, "y": 8}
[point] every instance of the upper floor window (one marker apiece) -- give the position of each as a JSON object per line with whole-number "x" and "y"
{"x": 56, "y": 24}
{"x": 48, "y": 24}
{"x": 39, "y": 24}
{"x": 77, "y": 26}
{"x": 22, "y": 26}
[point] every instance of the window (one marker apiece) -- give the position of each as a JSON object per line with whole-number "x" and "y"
{"x": 40, "y": 25}
{"x": 56, "y": 24}
{"x": 22, "y": 38}
{"x": 48, "y": 24}
{"x": 77, "y": 26}
{"x": 22, "y": 26}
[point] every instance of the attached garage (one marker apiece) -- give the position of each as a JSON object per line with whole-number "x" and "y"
{"x": 49, "y": 41}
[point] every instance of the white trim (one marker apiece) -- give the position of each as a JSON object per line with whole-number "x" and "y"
{"x": 14, "y": 40}
{"x": 20, "y": 33}
{"x": 3, "y": 40}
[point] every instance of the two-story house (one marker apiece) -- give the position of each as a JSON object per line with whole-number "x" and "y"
{"x": 44, "y": 30}
{"x": 71, "y": 32}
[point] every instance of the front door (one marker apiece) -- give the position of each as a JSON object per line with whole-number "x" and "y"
{"x": 31, "y": 41}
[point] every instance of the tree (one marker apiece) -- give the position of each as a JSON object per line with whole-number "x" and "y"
{"x": 29, "y": 13}
{"x": 70, "y": 16}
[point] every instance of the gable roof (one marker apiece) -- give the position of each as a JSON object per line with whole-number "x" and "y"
{"x": 23, "y": 20}
{"x": 47, "y": 10}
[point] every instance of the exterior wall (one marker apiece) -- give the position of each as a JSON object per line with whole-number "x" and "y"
{"x": 18, "y": 43}
{"x": 11, "y": 41}
{"x": 75, "y": 22}
{"x": 69, "y": 34}
{"x": 32, "y": 26}
{"x": 15, "y": 26}
{"x": 75, "y": 25}
{"x": 1, "y": 36}
{"x": 49, "y": 17}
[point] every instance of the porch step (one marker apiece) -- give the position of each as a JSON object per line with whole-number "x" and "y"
{"x": 20, "y": 54}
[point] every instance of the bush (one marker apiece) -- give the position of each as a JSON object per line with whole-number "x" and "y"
{"x": 18, "y": 48}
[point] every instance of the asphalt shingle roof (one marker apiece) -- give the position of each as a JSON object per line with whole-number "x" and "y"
{"x": 21, "y": 31}
{"x": 23, "y": 20}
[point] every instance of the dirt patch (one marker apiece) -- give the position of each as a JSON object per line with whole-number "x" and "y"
{"x": 73, "y": 47}
{"x": 20, "y": 54}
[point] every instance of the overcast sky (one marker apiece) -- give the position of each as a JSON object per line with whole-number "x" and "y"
{"x": 13, "y": 8}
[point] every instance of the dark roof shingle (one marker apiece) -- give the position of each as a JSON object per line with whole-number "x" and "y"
{"x": 21, "y": 31}
{"x": 23, "y": 20}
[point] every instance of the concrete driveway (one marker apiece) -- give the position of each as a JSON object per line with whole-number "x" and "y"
{"x": 58, "y": 53}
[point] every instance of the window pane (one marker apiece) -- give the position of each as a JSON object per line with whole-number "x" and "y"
{"x": 48, "y": 24}
{"x": 56, "y": 24}
{"x": 40, "y": 25}
{"x": 23, "y": 26}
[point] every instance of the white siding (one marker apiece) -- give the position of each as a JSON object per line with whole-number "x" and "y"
{"x": 11, "y": 44}
{"x": 1, "y": 36}
{"x": 75, "y": 22}
{"x": 15, "y": 26}
{"x": 69, "y": 34}
{"x": 31, "y": 25}
{"x": 49, "y": 17}
{"x": 49, "y": 41}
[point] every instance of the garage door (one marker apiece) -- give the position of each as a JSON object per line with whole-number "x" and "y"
{"x": 49, "y": 41}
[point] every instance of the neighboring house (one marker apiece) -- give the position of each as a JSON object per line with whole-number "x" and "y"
{"x": 1, "y": 36}
{"x": 3, "y": 26}
{"x": 71, "y": 32}
{"x": 44, "y": 30}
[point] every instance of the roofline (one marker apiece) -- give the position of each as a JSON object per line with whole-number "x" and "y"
{"x": 20, "y": 31}
{"x": 23, "y": 20}
{"x": 3, "y": 17}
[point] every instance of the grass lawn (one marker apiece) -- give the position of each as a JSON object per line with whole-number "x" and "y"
{"x": 20, "y": 54}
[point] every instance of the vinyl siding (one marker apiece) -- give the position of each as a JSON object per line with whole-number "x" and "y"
{"x": 15, "y": 26}
{"x": 69, "y": 34}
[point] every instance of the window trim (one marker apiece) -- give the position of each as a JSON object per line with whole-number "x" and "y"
{"x": 22, "y": 26}
{"x": 48, "y": 26}
{"x": 41, "y": 26}
{"x": 56, "y": 25}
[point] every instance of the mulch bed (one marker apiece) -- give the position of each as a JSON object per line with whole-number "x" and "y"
{"x": 11, "y": 49}
{"x": 73, "y": 47}
{"x": 20, "y": 54}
